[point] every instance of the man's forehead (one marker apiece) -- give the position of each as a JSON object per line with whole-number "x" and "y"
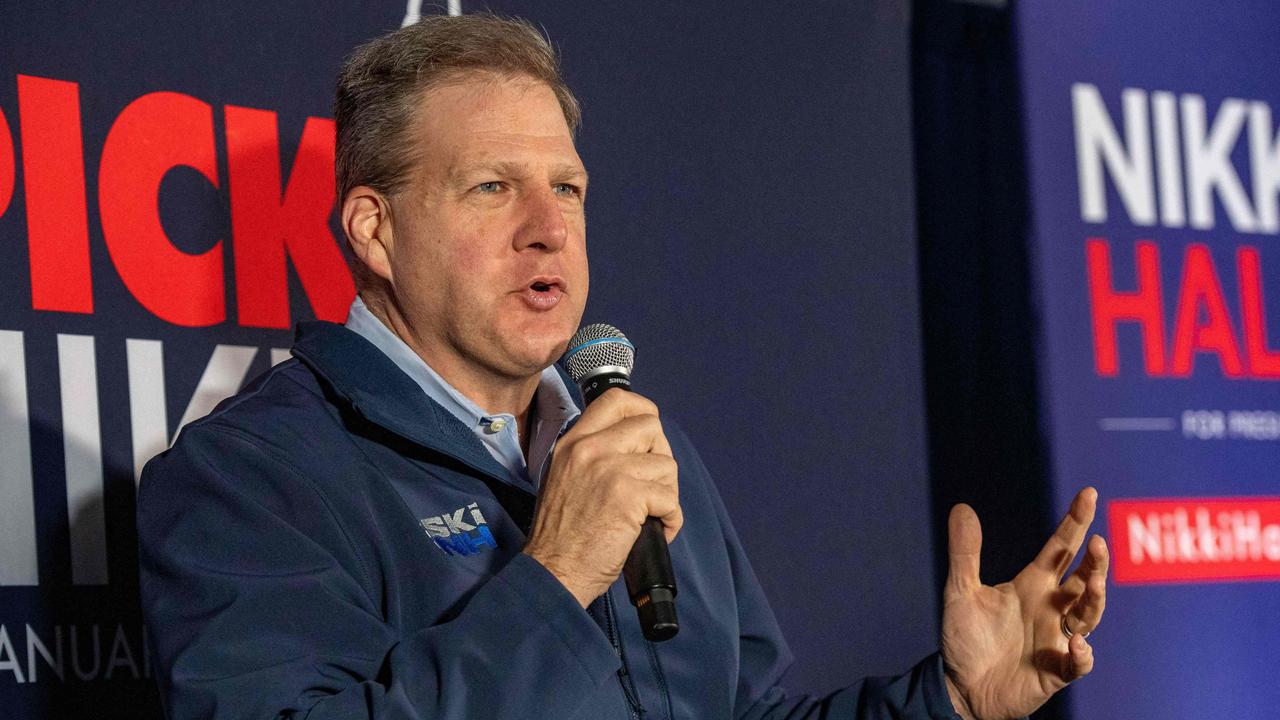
{"x": 484, "y": 120}
{"x": 513, "y": 154}
{"x": 479, "y": 101}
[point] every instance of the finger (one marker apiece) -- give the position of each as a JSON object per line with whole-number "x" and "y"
{"x": 1074, "y": 585}
{"x": 664, "y": 504}
{"x": 634, "y": 434}
{"x": 648, "y": 468}
{"x": 617, "y": 407}
{"x": 644, "y": 486}
{"x": 1079, "y": 658}
{"x": 661, "y": 445}
{"x": 964, "y": 549}
{"x": 1060, "y": 550}
{"x": 672, "y": 524}
{"x": 1072, "y": 588}
{"x": 612, "y": 406}
{"x": 1087, "y": 611}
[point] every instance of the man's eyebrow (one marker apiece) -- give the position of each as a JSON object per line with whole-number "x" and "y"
{"x": 567, "y": 171}
{"x": 511, "y": 168}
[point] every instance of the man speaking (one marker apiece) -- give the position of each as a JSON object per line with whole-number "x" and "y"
{"x": 412, "y": 518}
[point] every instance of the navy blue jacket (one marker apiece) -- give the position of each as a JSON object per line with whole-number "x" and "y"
{"x": 283, "y": 575}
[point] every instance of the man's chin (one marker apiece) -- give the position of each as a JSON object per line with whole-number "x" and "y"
{"x": 531, "y": 359}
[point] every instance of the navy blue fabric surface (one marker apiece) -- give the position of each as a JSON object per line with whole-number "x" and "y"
{"x": 282, "y": 574}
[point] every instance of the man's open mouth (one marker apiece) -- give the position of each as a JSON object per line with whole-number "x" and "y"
{"x": 543, "y": 293}
{"x": 546, "y": 283}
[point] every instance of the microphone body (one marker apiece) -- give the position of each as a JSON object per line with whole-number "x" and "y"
{"x": 599, "y": 358}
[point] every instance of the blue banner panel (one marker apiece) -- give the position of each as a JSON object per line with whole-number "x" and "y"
{"x": 1155, "y": 181}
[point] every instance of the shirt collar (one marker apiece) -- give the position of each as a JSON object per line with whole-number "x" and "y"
{"x": 552, "y": 401}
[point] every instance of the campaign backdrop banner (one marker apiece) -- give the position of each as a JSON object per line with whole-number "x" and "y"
{"x": 167, "y": 215}
{"x": 1154, "y": 164}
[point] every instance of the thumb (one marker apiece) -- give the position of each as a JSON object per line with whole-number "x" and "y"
{"x": 964, "y": 549}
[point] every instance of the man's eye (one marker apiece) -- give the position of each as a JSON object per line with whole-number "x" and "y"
{"x": 567, "y": 190}
{"x": 492, "y": 186}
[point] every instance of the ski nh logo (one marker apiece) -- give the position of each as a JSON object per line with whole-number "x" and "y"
{"x": 458, "y": 536}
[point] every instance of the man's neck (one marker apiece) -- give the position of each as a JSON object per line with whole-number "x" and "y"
{"x": 493, "y": 393}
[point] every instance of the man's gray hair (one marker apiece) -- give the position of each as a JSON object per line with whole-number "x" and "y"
{"x": 381, "y": 86}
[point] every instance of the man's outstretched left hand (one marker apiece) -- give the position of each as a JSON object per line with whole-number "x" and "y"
{"x": 1004, "y": 647}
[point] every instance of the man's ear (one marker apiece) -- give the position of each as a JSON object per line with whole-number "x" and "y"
{"x": 366, "y": 220}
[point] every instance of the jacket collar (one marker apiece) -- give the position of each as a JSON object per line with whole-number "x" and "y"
{"x": 380, "y": 392}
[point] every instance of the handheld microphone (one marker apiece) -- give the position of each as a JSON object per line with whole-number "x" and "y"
{"x": 600, "y": 357}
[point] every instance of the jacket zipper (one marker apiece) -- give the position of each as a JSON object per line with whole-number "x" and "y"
{"x": 625, "y": 681}
{"x": 656, "y": 663}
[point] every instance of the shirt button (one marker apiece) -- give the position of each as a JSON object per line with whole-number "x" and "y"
{"x": 497, "y": 425}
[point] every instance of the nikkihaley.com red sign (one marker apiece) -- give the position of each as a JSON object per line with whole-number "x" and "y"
{"x": 1195, "y": 539}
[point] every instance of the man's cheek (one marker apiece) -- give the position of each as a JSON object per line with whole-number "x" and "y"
{"x": 476, "y": 274}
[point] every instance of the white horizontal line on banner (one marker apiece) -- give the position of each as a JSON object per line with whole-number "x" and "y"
{"x": 1140, "y": 424}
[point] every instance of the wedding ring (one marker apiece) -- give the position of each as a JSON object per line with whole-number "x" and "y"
{"x": 1066, "y": 630}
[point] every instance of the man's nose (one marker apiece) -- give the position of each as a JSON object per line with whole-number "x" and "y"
{"x": 544, "y": 226}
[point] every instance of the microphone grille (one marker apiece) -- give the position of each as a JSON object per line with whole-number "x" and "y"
{"x": 596, "y": 346}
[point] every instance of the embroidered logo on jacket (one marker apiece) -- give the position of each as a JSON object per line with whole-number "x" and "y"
{"x": 461, "y": 532}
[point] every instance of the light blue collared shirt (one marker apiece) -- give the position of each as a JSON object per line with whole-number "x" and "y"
{"x": 553, "y": 406}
